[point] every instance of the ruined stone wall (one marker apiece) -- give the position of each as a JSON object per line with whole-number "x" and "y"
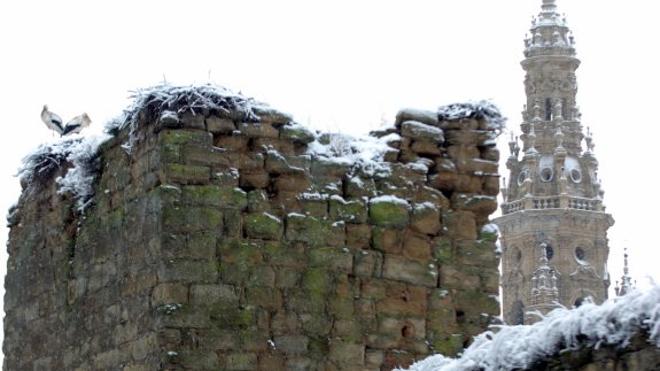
{"x": 638, "y": 355}
{"x": 216, "y": 243}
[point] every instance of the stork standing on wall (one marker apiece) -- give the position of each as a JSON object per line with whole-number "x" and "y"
{"x": 76, "y": 124}
{"x": 54, "y": 122}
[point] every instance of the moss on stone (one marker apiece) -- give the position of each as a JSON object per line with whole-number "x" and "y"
{"x": 331, "y": 258}
{"x": 442, "y": 251}
{"x": 233, "y": 197}
{"x": 180, "y": 137}
{"x": 189, "y": 219}
{"x": 204, "y": 195}
{"x": 231, "y": 316}
{"x": 389, "y": 214}
{"x": 310, "y": 230}
{"x": 448, "y": 345}
{"x": 263, "y": 226}
{"x": 187, "y": 174}
{"x": 354, "y": 211}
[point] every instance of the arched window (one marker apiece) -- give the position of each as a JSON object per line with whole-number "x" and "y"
{"x": 549, "y": 251}
{"x": 548, "y": 109}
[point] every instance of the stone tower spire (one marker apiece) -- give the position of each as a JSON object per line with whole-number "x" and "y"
{"x": 626, "y": 285}
{"x": 553, "y": 197}
{"x": 545, "y": 294}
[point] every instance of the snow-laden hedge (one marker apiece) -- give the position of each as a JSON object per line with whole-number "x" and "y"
{"x": 614, "y": 322}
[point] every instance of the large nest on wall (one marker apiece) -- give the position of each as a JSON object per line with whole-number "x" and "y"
{"x": 40, "y": 165}
{"x": 149, "y": 103}
{"x": 79, "y": 154}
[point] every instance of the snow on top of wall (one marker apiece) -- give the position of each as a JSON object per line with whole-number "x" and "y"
{"x": 80, "y": 152}
{"x": 194, "y": 98}
{"x": 481, "y": 110}
{"x": 366, "y": 152}
{"x": 614, "y": 322}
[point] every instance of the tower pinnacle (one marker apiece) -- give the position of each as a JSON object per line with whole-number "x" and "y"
{"x": 549, "y": 6}
{"x": 627, "y": 283}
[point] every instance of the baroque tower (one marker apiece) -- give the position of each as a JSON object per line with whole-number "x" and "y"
{"x": 553, "y": 224}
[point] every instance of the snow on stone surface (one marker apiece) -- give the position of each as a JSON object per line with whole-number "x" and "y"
{"x": 192, "y": 98}
{"x": 390, "y": 199}
{"x": 80, "y": 152}
{"x": 481, "y": 110}
{"x": 366, "y": 152}
{"x": 614, "y": 322}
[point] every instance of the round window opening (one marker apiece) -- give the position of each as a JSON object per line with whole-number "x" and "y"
{"x": 549, "y": 252}
{"x": 522, "y": 176}
{"x": 546, "y": 174}
{"x": 576, "y": 176}
{"x": 579, "y": 254}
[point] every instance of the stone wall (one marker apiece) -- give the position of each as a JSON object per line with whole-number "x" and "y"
{"x": 638, "y": 355}
{"x": 219, "y": 242}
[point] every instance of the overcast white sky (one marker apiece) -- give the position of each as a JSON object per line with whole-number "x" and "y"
{"x": 342, "y": 66}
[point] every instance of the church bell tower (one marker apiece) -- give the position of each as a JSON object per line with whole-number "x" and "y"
{"x": 553, "y": 224}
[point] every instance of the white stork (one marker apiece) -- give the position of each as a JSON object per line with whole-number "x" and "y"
{"x": 52, "y": 121}
{"x": 76, "y": 124}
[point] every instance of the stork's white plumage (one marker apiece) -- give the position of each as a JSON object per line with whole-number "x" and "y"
{"x": 76, "y": 124}
{"x": 52, "y": 121}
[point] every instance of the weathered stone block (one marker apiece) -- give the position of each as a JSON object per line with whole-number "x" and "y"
{"x": 387, "y": 240}
{"x": 263, "y": 226}
{"x": 479, "y": 204}
{"x": 191, "y": 219}
{"x": 389, "y": 212}
{"x": 213, "y": 294}
{"x": 168, "y": 293}
{"x": 241, "y": 361}
{"x": 426, "y": 219}
{"x": 417, "y": 247}
{"x": 354, "y": 211}
{"x": 258, "y": 130}
{"x": 182, "y": 137}
{"x": 368, "y": 264}
{"x": 292, "y": 344}
{"x": 185, "y": 174}
{"x": 426, "y": 117}
{"x": 347, "y": 353}
{"x": 217, "y": 125}
{"x": 358, "y": 236}
{"x": 310, "y": 230}
{"x": 232, "y": 142}
{"x": 297, "y": 133}
{"x": 254, "y": 179}
{"x": 332, "y": 259}
{"x": 461, "y": 225}
{"x": 409, "y": 271}
{"x": 419, "y": 131}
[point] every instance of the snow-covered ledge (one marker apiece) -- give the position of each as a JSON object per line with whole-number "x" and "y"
{"x": 614, "y": 323}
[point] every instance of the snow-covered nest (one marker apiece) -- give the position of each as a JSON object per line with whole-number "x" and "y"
{"x": 193, "y": 98}
{"x": 47, "y": 159}
{"x": 481, "y": 110}
{"x": 364, "y": 153}
{"x": 614, "y": 322}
